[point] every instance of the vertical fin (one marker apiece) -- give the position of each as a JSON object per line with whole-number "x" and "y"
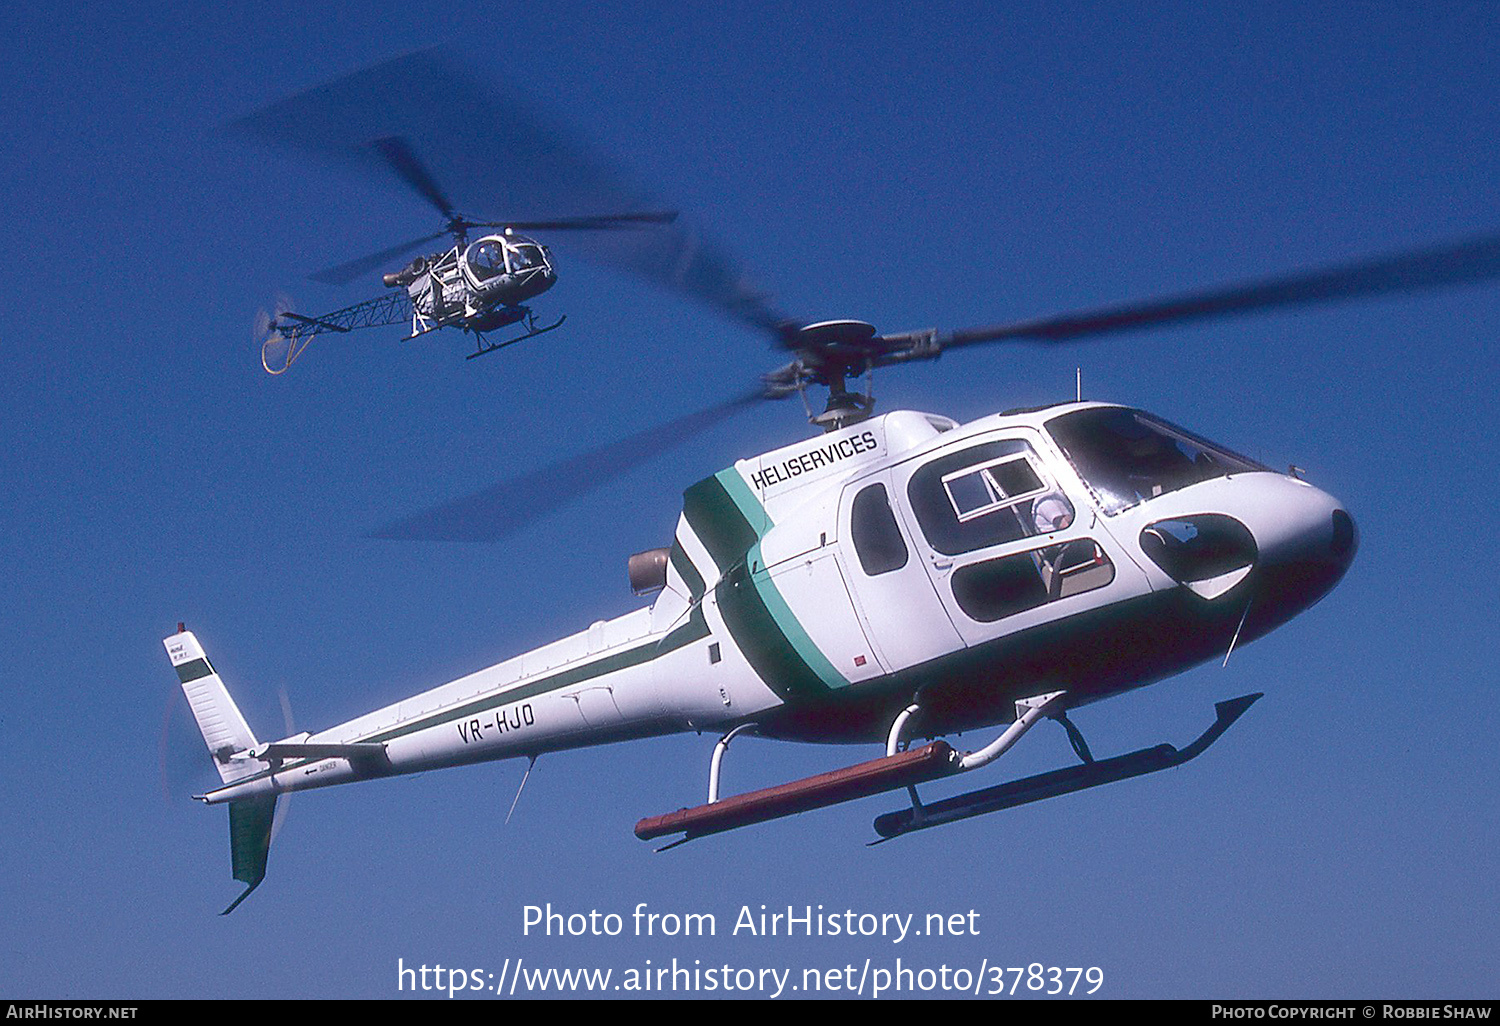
{"x": 219, "y": 720}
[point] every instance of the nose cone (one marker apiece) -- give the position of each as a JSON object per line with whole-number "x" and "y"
{"x": 1307, "y": 541}
{"x": 1273, "y": 539}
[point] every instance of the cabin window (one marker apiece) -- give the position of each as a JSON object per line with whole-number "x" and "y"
{"x": 993, "y": 589}
{"x": 877, "y": 537}
{"x": 986, "y": 495}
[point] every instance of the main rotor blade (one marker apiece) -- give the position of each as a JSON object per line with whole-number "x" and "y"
{"x": 1460, "y": 263}
{"x": 342, "y": 274}
{"x": 494, "y": 152}
{"x": 502, "y": 508}
{"x": 397, "y": 152}
{"x": 602, "y": 222}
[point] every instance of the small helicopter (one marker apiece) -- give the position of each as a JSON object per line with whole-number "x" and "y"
{"x": 894, "y": 577}
{"x": 478, "y": 287}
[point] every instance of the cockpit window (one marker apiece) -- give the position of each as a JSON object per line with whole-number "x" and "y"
{"x": 989, "y": 494}
{"x": 486, "y": 260}
{"x": 1127, "y": 456}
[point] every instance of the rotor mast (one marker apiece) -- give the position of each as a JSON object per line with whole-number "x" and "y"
{"x": 828, "y": 354}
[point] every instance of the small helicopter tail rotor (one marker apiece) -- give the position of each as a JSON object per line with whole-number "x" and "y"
{"x": 281, "y": 338}
{"x": 270, "y": 322}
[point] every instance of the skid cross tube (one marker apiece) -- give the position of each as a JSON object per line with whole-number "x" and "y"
{"x": 893, "y": 740}
{"x": 1028, "y": 711}
{"x": 893, "y": 745}
{"x": 717, "y": 762}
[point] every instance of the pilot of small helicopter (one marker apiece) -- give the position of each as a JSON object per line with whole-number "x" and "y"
{"x": 487, "y": 260}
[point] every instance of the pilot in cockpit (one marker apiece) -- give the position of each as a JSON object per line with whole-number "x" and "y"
{"x": 487, "y": 260}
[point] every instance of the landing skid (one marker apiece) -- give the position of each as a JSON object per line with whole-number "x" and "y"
{"x": 532, "y": 331}
{"x": 1092, "y": 773}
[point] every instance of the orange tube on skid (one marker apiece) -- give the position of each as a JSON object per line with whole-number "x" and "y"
{"x": 841, "y": 785}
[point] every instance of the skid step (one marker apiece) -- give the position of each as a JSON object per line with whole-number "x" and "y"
{"x": 1061, "y": 781}
{"x": 841, "y": 785}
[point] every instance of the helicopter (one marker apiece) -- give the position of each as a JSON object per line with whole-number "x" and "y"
{"x": 477, "y": 286}
{"x": 893, "y": 578}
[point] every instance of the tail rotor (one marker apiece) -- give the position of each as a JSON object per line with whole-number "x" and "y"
{"x": 280, "y": 337}
{"x": 284, "y": 807}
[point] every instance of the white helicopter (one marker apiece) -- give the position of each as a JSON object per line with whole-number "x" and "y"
{"x": 478, "y": 287}
{"x": 897, "y": 577}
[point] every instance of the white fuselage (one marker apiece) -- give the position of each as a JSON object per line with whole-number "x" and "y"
{"x": 816, "y": 589}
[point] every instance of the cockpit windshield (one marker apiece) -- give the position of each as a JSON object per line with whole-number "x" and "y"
{"x": 487, "y": 259}
{"x": 1127, "y": 457}
{"x": 525, "y": 256}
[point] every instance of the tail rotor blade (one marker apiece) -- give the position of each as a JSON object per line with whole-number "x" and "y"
{"x": 284, "y": 807}
{"x": 181, "y": 767}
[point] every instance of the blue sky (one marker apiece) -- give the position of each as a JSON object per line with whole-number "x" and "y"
{"x": 941, "y": 164}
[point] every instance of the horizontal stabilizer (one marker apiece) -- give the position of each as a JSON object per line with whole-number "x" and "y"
{"x": 280, "y": 751}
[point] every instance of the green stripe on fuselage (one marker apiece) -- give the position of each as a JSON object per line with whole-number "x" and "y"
{"x": 790, "y": 627}
{"x": 574, "y": 675}
{"x": 444, "y": 717}
{"x": 687, "y": 571}
{"x": 721, "y": 523}
{"x": 728, "y": 519}
{"x": 761, "y": 640}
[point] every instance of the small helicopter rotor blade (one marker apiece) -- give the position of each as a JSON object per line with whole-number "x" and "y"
{"x": 603, "y": 222}
{"x": 1460, "y": 263}
{"x": 342, "y": 274}
{"x": 503, "y": 508}
{"x": 397, "y": 153}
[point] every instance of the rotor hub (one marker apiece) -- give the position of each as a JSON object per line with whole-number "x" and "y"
{"x": 852, "y": 340}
